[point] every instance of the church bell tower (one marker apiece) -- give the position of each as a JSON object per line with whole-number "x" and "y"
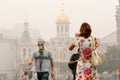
{"x": 62, "y": 25}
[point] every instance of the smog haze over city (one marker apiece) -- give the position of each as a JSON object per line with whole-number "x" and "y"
{"x": 23, "y": 22}
{"x": 42, "y": 15}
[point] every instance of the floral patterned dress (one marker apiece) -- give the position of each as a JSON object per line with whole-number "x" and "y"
{"x": 85, "y": 71}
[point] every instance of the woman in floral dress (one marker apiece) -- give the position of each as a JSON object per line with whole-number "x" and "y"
{"x": 85, "y": 70}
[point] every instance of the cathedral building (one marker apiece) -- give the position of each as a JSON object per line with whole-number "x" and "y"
{"x": 59, "y": 46}
{"x": 25, "y": 48}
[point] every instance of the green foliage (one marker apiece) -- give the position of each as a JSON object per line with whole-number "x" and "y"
{"x": 111, "y": 60}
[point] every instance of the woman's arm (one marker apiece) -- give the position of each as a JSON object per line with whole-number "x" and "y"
{"x": 72, "y": 46}
{"x": 72, "y": 62}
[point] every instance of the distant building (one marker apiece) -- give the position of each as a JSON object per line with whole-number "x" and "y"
{"x": 18, "y": 45}
{"x": 25, "y": 48}
{"x": 8, "y": 55}
{"x": 59, "y": 46}
{"x": 118, "y": 23}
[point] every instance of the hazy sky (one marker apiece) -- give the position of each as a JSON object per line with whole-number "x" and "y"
{"x": 42, "y": 15}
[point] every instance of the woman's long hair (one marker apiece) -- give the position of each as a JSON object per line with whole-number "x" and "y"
{"x": 85, "y": 30}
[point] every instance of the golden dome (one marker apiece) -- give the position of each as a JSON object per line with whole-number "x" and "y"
{"x": 62, "y": 18}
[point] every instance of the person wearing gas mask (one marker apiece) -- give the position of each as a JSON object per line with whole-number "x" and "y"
{"x": 44, "y": 63}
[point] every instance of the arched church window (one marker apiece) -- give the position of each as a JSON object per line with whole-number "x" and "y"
{"x": 57, "y": 28}
{"x": 24, "y": 52}
{"x": 66, "y": 29}
{"x": 29, "y": 51}
{"x": 61, "y": 28}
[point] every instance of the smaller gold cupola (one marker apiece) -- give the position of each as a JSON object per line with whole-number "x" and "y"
{"x": 62, "y": 17}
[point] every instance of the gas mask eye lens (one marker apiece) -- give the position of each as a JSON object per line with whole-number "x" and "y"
{"x": 40, "y": 44}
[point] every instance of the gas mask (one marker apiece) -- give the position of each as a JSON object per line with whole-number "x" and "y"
{"x": 41, "y": 43}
